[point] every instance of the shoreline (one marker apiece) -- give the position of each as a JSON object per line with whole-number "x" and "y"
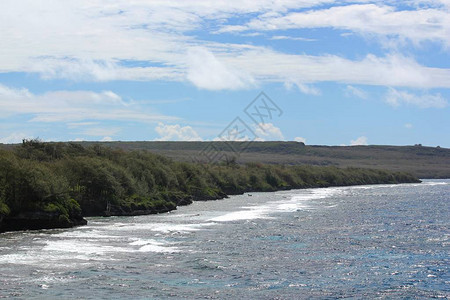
{"x": 45, "y": 185}
{"x": 32, "y": 221}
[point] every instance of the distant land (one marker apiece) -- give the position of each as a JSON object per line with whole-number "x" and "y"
{"x": 55, "y": 185}
{"x": 418, "y": 160}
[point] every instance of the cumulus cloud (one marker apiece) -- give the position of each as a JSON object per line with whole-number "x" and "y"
{"x": 300, "y": 139}
{"x": 236, "y": 134}
{"x": 361, "y": 141}
{"x": 176, "y": 133}
{"x": 268, "y": 132}
{"x": 13, "y": 138}
{"x": 396, "y": 98}
{"x": 239, "y": 132}
{"x": 206, "y": 71}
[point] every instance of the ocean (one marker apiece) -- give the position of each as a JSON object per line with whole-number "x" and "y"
{"x": 379, "y": 241}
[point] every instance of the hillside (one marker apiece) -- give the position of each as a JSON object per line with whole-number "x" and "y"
{"x": 421, "y": 161}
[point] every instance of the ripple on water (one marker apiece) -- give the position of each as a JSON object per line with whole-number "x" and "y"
{"x": 365, "y": 242}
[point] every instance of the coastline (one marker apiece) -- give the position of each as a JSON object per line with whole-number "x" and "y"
{"x": 39, "y": 220}
{"x": 45, "y": 185}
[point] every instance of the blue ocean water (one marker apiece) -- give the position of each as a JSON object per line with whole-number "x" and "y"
{"x": 381, "y": 241}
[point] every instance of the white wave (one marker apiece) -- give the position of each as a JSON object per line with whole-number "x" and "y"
{"x": 291, "y": 207}
{"x": 164, "y": 227}
{"x": 56, "y": 251}
{"x": 93, "y": 248}
{"x": 159, "y": 249}
{"x": 86, "y": 234}
{"x": 294, "y": 202}
{"x": 140, "y": 242}
{"x": 432, "y": 183}
{"x": 82, "y": 247}
{"x": 161, "y": 227}
{"x": 377, "y": 186}
{"x": 151, "y": 245}
{"x": 252, "y": 213}
{"x": 45, "y": 259}
{"x": 178, "y": 215}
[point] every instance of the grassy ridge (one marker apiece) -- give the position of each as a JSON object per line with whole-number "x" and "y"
{"x": 47, "y": 185}
{"x": 421, "y": 161}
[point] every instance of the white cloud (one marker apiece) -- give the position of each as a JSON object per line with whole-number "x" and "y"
{"x": 292, "y": 38}
{"x": 258, "y": 132}
{"x": 361, "y": 141}
{"x": 266, "y": 65}
{"x": 268, "y": 132}
{"x": 391, "y": 70}
{"x": 207, "y": 72}
{"x": 355, "y": 92}
{"x": 408, "y": 125}
{"x": 100, "y": 70}
{"x": 300, "y": 139}
{"x": 302, "y": 87}
{"x": 76, "y": 69}
{"x": 308, "y": 89}
{"x": 73, "y": 107}
{"x": 396, "y": 98}
{"x": 415, "y": 25}
{"x": 91, "y": 40}
{"x": 176, "y": 133}
{"x": 107, "y": 139}
{"x": 13, "y": 138}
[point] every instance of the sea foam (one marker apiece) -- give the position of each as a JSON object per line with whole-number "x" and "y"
{"x": 293, "y": 202}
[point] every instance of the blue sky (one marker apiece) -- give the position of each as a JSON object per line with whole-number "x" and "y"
{"x": 342, "y": 72}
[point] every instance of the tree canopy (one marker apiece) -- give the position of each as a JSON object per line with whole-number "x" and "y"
{"x": 66, "y": 180}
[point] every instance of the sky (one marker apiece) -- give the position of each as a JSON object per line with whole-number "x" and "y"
{"x": 318, "y": 71}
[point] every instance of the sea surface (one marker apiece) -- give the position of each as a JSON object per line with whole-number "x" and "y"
{"x": 380, "y": 241}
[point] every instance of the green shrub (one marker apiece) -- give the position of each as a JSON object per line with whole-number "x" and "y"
{"x": 68, "y": 179}
{"x": 4, "y": 209}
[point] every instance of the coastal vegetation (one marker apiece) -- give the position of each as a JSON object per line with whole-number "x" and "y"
{"x": 418, "y": 160}
{"x": 48, "y": 185}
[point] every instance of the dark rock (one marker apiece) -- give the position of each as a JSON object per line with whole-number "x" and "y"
{"x": 184, "y": 201}
{"x": 39, "y": 220}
